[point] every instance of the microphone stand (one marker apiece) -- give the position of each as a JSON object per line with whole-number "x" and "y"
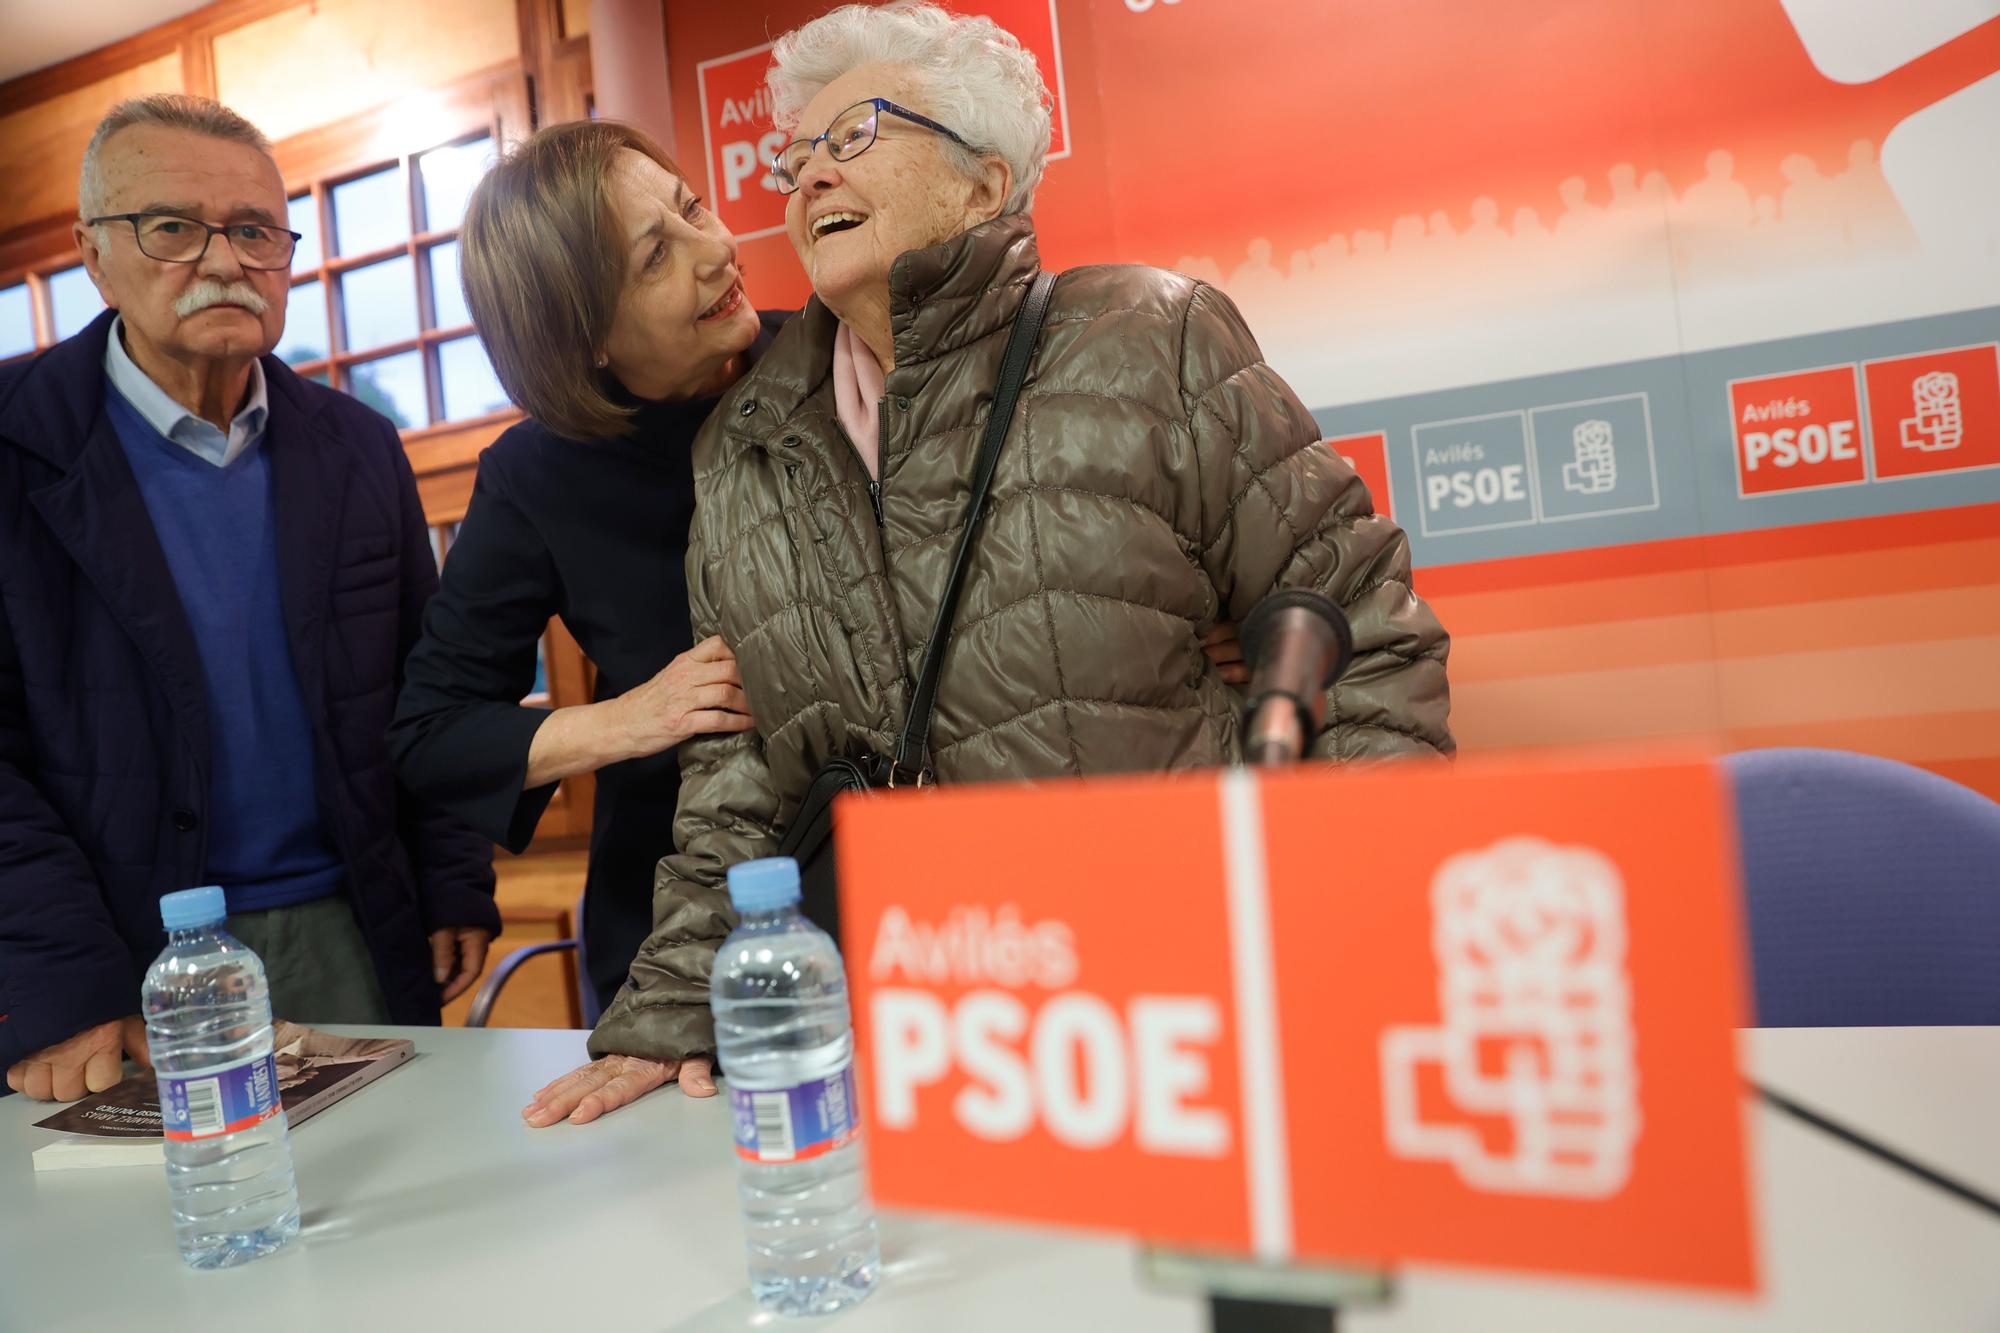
{"x": 1298, "y": 643}
{"x": 1245, "y": 1296}
{"x": 1248, "y": 1297}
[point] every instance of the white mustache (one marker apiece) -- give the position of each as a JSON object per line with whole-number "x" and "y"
{"x": 207, "y": 292}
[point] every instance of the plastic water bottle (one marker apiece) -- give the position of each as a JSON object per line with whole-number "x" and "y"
{"x": 779, "y": 995}
{"x": 208, "y": 1028}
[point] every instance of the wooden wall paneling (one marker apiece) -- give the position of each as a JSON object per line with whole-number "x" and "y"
{"x": 307, "y": 66}
{"x": 160, "y": 40}
{"x": 39, "y": 245}
{"x": 540, "y": 26}
{"x": 572, "y": 680}
{"x": 556, "y": 56}
{"x": 571, "y": 677}
{"x": 355, "y": 143}
{"x": 453, "y": 445}
{"x": 514, "y": 108}
{"x": 445, "y": 493}
{"x": 41, "y": 146}
{"x": 562, "y": 818}
{"x": 198, "y": 64}
{"x": 566, "y": 83}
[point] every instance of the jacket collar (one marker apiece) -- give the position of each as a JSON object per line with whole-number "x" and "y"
{"x": 175, "y": 422}
{"x": 52, "y": 407}
{"x": 958, "y": 292}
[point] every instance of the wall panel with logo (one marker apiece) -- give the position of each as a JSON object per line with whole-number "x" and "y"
{"x": 1671, "y": 333}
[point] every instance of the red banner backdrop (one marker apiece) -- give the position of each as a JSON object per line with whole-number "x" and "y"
{"x": 1737, "y": 252}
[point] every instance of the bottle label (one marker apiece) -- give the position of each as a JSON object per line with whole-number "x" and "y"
{"x": 794, "y": 1124}
{"x": 219, "y": 1101}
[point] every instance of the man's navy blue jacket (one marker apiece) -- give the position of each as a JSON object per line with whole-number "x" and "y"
{"x": 104, "y": 727}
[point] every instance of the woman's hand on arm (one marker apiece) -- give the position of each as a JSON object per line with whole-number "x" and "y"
{"x": 604, "y": 1085}
{"x": 697, "y": 693}
{"x": 728, "y": 805}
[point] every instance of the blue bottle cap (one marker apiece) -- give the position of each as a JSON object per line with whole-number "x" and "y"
{"x": 760, "y": 886}
{"x": 193, "y": 907}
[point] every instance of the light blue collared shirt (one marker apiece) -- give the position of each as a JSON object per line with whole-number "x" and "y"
{"x": 175, "y": 422}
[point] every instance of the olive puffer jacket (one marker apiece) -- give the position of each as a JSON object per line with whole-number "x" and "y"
{"x": 1158, "y": 478}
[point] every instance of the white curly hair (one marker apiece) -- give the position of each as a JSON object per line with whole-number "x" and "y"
{"x": 975, "y": 77}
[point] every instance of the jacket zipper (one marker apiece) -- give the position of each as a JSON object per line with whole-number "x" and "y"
{"x": 875, "y": 499}
{"x": 881, "y": 434}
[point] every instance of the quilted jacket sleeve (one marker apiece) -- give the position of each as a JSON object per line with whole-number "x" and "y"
{"x": 728, "y": 813}
{"x": 1281, "y": 510}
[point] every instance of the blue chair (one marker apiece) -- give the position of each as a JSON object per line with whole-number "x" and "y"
{"x": 1872, "y": 890}
{"x": 586, "y": 994}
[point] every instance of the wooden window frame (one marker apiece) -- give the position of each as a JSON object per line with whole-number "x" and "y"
{"x": 444, "y": 455}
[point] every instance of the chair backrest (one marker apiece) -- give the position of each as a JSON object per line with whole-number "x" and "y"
{"x": 1872, "y": 891}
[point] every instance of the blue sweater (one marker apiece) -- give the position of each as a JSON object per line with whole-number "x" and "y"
{"x": 266, "y": 844}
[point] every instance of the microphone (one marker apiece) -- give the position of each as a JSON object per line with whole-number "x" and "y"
{"x": 1296, "y": 643}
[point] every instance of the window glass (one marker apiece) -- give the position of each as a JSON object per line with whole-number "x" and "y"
{"x": 393, "y": 386}
{"x": 305, "y": 324}
{"x": 442, "y": 536}
{"x": 370, "y": 213}
{"x": 447, "y": 176}
{"x": 74, "y": 299}
{"x": 471, "y": 388}
{"x": 379, "y": 303}
{"x": 303, "y": 218}
{"x": 447, "y": 296}
{"x": 17, "y": 321}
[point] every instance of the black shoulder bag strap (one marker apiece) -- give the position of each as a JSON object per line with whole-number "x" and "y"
{"x": 912, "y": 763}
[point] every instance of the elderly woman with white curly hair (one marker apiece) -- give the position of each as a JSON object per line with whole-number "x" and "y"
{"x": 1157, "y": 480}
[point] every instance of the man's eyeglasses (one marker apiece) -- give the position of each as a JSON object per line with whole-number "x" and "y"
{"x": 174, "y": 239}
{"x": 851, "y": 134}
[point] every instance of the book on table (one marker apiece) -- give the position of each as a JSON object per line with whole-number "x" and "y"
{"x": 121, "y": 1125}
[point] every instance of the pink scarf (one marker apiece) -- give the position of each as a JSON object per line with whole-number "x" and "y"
{"x": 857, "y": 395}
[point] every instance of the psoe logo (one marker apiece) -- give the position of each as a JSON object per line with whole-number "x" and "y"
{"x": 1939, "y": 422}
{"x": 1534, "y": 1050}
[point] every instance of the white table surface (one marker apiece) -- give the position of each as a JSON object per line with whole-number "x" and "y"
{"x": 429, "y": 1206}
{"x": 1932, "y": 1094}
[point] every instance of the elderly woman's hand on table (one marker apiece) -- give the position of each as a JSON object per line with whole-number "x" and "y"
{"x": 603, "y": 1085}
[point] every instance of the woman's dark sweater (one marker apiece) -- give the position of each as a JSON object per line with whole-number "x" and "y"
{"x": 595, "y": 533}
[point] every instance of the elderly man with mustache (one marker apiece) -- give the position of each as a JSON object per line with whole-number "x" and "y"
{"x": 210, "y": 573}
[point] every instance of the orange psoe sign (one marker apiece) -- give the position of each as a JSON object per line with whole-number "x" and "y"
{"x": 1479, "y": 1016}
{"x": 739, "y": 139}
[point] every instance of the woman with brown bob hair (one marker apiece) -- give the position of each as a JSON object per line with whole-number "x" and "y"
{"x": 610, "y": 301}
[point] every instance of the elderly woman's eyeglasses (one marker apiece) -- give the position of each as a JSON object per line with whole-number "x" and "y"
{"x": 174, "y": 239}
{"x": 851, "y": 134}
